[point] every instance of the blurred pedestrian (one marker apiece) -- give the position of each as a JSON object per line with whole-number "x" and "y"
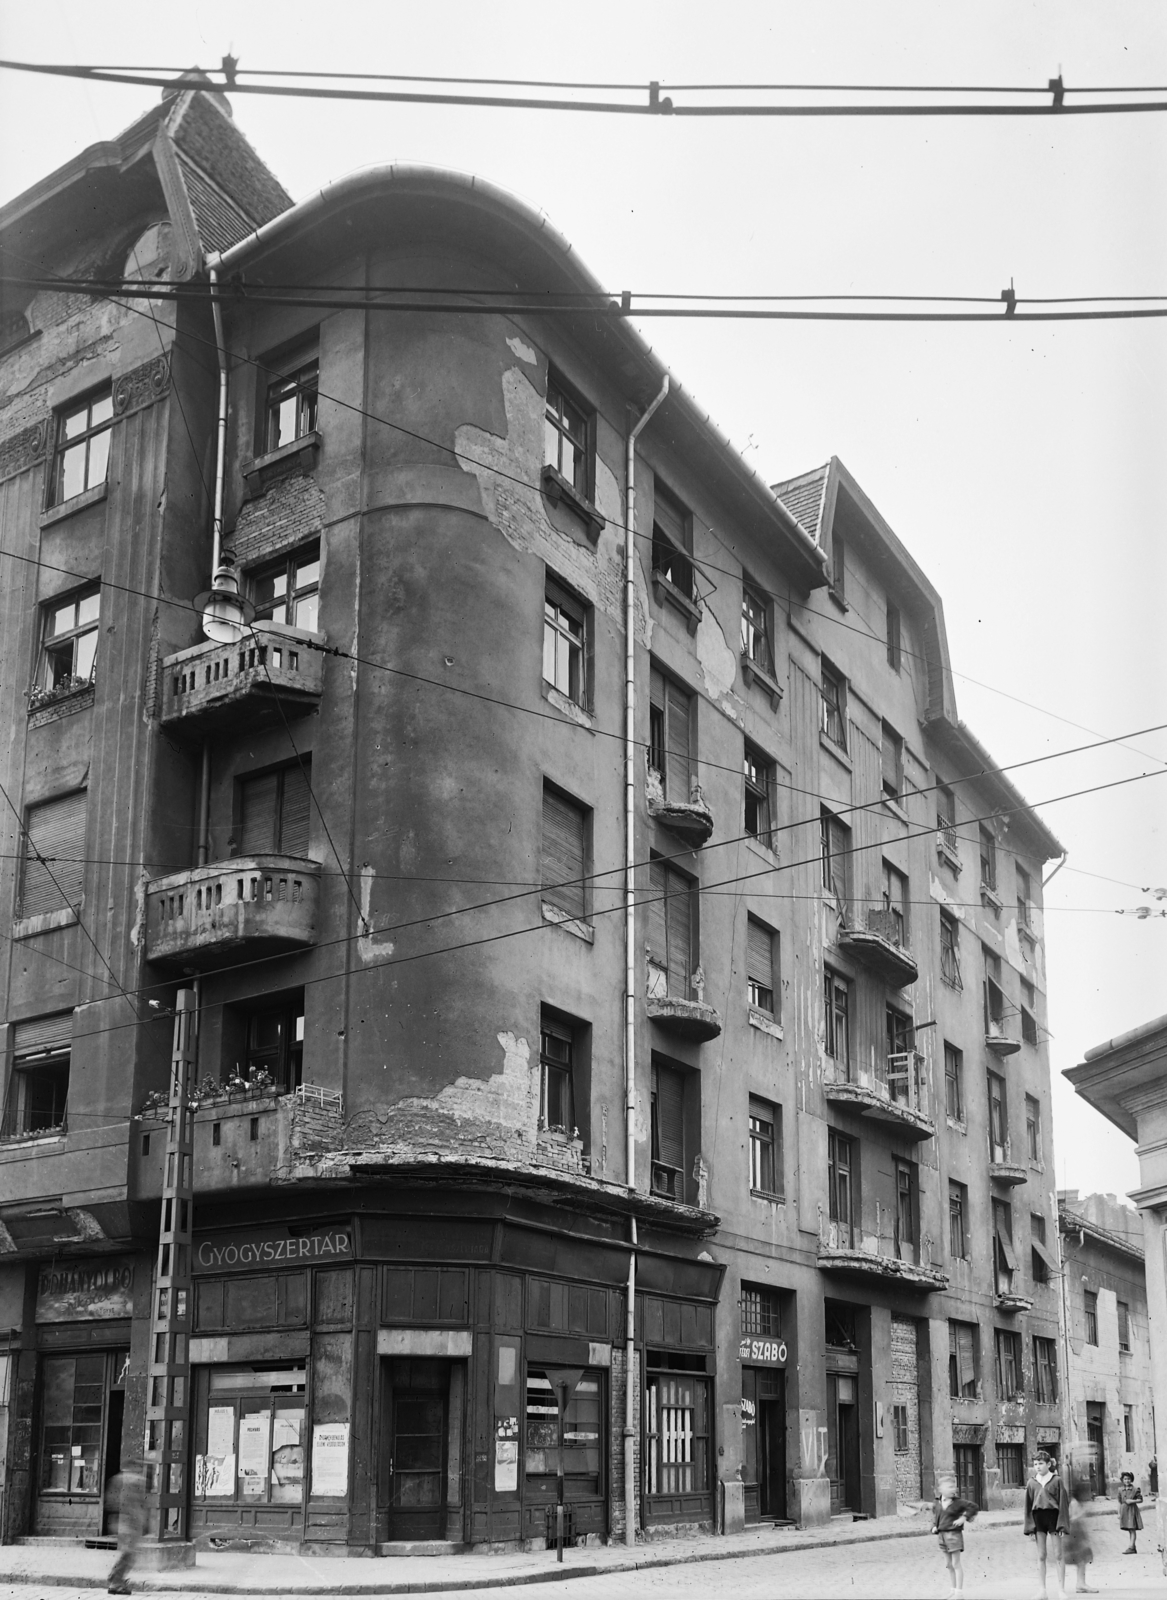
{"x": 1078, "y": 1550}
{"x": 127, "y": 1494}
{"x": 1047, "y": 1517}
{"x": 1130, "y": 1518}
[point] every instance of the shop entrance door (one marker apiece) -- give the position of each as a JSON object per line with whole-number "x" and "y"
{"x": 843, "y": 1441}
{"x": 1095, "y": 1435}
{"x": 415, "y": 1430}
{"x": 80, "y": 1401}
{"x": 772, "y": 1444}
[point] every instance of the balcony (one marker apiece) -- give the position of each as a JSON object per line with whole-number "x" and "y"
{"x": 204, "y": 917}
{"x": 948, "y": 844}
{"x": 882, "y": 946}
{"x": 899, "y": 1097}
{"x": 271, "y": 674}
{"x": 1008, "y": 1173}
{"x": 852, "y": 1262}
{"x": 997, "y": 1040}
{"x": 1011, "y": 1303}
{"x": 692, "y": 1020}
{"x": 691, "y": 820}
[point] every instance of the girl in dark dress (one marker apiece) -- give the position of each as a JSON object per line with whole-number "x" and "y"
{"x": 1130, "y": 1518}
{"x": 1046, "y": 1517}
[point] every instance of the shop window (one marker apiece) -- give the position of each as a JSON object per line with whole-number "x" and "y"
{"x": 670, "y": 745}
{"x": 72, "y": 1412}
{"x": 1010, "y": 1381}
{"x": 556, "y": 1063}
{"x": 957, "y": 1220}
{"x": 275, "y": 810}
{"x": 565, "y": 639}
{"x": 267, "y": 1039}
{"x": 677, "y": 1433}
{"x": 900, "y": 1429}
{"x": 288, "y": 590}
{"x": 1045, "y": 1370}
{"x": 1033, "y": 1129}
{"x": 757, "y": 638}
{"x": 840, "y": 1187}
{"x": 1011, "y": 1463}
{"x": 765, "y": 1148}
{"x": 672, "y": 543}
{"x": 250, "y": 1436}
{"x": 1090, "y": 1308}
{"x": 564, "y": 854}
{"x": 581, "y": 1438}
{"x": 835, "y": 849}
{"x": 837, "y": 1004}
{"x": 292, "y": 398}
{"x": 69, "y": 631}
{"x": 759, "y": 796}
{"x": 81, "y": 457}
{"x": 761, "y": 964}
{"x": 963, "y": 1360}
{"x": 672, "y": 914}
{"x": 953, "y": 1082}
{"x": 834, "y": 700}
{"x": 761, "y": 1311}
{"x": 893, "y": 763}
{"x": 567, "y": 438}
{"x": 53, "y": 876}
{"x": 675, "y": 1116}
{"x": 38, "y": 1085}
{"x": 893, "y": 637}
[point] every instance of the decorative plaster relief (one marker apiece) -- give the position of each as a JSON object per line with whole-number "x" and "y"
{"x": 24, "y": 449}
{"x": 141, "y": 386}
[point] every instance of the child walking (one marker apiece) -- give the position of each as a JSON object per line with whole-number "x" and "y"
{"x": 949, "y": 1515}
{"x": 1047, "y": 1517}
{"x": 1130, "y": 1518}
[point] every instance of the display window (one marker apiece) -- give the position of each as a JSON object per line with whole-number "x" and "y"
{"x": 250, "y": 1436}
{"x": 72, "y": 1417}
{"x": 677, "y": 1432}
{"x": 578, "y": 1392}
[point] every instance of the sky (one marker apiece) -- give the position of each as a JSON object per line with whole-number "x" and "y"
{"x": 1019, "y": 464}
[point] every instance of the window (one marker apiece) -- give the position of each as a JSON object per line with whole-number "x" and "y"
{"x": 962, "y": 1360}
{"x": 950, "y": 951}
{"x": 839, "y": 1186}
{"x": 1043, "y": 1263}
{"x": 760, "y": 783}
{"x": 895, "y": 906}
{"x": 291, "y": 400}
{"x": 760, "y": 947}
{"x": 901, "y": 1067}
{"x": 556, "y": 1100}
{"x": 72, "y": 1407}
{"x": 677, "y": 1433}
{"x": 899, "y": 1425}
{"x": 761, "y": 1312}
{"x": 670, "y": 752}
{"x": 998, "y": 1118}
{"x": 258, "y": 1412}
{"x": 288, "y": 590}
{"x": 893, "y": 637}
{"x": 994, "y": 995}
{"x": 671, "y": 914}
{"x": 564, "y": 854}
{"x": 840, "y": 1325}
{"x": 82, "y": 452}
{"x": 1045, "y": 1370}
{"x": 838, "y": 567}
{"x": 564, "y": 642}
{"x": 765, "y": 1147}
{"x": 1004, "y": 1260}
{"x": 836, "y": 855}
{"x": 672, "y": 543}
{"x": 1024, "y": 901}
{"x": 668, "y": 1130}
{"x": 988, "y": 860}
{"x": 834, "y": 692}
{"x": 69, "y": 644}
{"x": 581, "y": 1435}
{"x": 953, "y": 1082}
{"x": 836, "y": 999}
{"x": 1011, "y": 1462}
{"x": 38, "y": 1085}
{"x": 567, "y": 439}
{"x": 893, "y": 763}
{"x": 1090, "y": 1308}
{"x": 275, "y": 1042}
{"x": 1010, "y": 1381}
{"x": 1033, "y": 1129}
{"x": 757, "y": 644}
{"x": 1028, "y": 1012}
{"x": 1128, "y": 1428}
{"x": 946, "y": 817}
{"x": 1124, "y": 1327}
{"x": 54, "y": 856}
{"x": 905, "y": 1225}
{"x": 275, "y": 811}
{"x": 957, "y": 1223}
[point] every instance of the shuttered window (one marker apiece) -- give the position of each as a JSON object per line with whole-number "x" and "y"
{"x": 670, "y": 926}
{"x": 760, "y": 964}
{"x": 38, "y": 1087}
{"x": 668, "y": 1130}
{"x": 893, "y": 763}
{"x": 275, "y": 812}
{"x": 670, "y": 750}
{"x": 54, "y": 866}
{"x": 962, "y": 1360}
{"x": 564, "y": 832}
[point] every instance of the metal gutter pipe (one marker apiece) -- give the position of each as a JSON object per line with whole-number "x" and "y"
{"x": 221, "y": 427}
{"x": 630, "y": 948}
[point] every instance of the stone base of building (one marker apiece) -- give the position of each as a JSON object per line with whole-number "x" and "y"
{"x": 167, "y": 1555}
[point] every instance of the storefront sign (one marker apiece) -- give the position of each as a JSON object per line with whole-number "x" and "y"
{"x": 330, "y": 1458}
{"x": 763, "y": 1352}
{"x": 85, "y": 1291}
{"x": 243, "y": 1252}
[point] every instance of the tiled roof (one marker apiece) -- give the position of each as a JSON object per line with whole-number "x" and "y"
{"x": 208, "y": 139}
{"x": 803, "y": 498}
{"x": 219, "y": 221}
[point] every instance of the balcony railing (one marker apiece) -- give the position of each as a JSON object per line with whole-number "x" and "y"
{"x": 947, "y": 840}
{"x": 897, "y": 1094}
{"x": 203, "y": 917}
{"x": 271, "y": 673}
{"x": 883, "y": 946}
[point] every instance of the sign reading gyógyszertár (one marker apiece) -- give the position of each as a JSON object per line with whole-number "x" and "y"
{"x": 245, "y": 1251}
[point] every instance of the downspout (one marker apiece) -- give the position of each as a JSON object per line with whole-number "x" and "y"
{"x": 1056, "y": 870}
{"x": 630, "y": 953}
{"x": 221, "y": 428}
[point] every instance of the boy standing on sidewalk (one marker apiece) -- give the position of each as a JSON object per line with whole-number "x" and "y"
{"x": 949, "y": 1516}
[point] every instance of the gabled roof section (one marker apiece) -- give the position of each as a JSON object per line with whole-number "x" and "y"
{"x": 805, "y": 499}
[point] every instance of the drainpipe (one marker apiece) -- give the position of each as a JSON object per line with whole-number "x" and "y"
{"x": 630, "y": 952}
{"x": 221, "y": 428}
{"x": 1057, "y": 869}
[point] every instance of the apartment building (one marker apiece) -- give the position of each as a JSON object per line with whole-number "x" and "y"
{"x": 651, "y": 1114}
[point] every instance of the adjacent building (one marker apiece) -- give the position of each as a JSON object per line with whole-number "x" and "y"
{"x": 656, "y": 1109}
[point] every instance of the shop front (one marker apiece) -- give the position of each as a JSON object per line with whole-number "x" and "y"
{"x": 764, "y": 1428}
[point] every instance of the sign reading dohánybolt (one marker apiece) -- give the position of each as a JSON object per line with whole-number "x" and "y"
{"x": 763, "y": 1352}
{"x": 85, "y": 1291}
{"x": 271, "y": 1247}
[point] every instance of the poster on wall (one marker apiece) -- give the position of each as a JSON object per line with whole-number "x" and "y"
{"x": 254, "y": 1433}
{"x": 330, "y": 1458}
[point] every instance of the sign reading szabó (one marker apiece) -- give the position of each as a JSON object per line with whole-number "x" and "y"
{"x": 258, "y": 1248}
{"x": 763, "y": 1352}
{"x": 85, "y": 1291}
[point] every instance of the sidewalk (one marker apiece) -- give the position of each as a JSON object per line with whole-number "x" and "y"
{"x": 227, "y": 1572}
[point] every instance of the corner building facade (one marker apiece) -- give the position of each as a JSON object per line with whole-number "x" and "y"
{"x": 381, "y": 834}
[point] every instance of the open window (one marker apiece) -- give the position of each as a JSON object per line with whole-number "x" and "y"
{"x": 1004, "y": 1258}
{"x": 833, "y": 687}
{"x": 835, "y": 847}
{"x": 841, "y": 1187}
{"x": 263, "y": 1040}
{"x": 558, "y": 1052}
{"x": 291, "y": 408}
{"x": 765, "y": 1148}
{"x": 950, "y": 950}
{"x": 757, "y": 632}
{"x": 69, "y": 633}
{"x": 38, "y": 1084}
{"x": 672, "y": 544}
{"x": 760, "y": 789}
{"x": 892, "y": 747}
{"x": 761, "y": 966}
{"x": 675, "y": 1117}
{"x": 565, "y": 642}
{"x": 963, "y": 1360}
{"x": 670, "y": 742}
{"x": 957, "y": 1220}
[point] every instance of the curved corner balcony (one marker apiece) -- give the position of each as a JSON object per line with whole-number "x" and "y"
{"x": 1009, "y": 1173}
{"x": 271, "y": 674}
{"x": 882, "y": 947}
{"x": 204, "y": 917}
{"x": 852, "y": 1263}
{"x": 998, "y": 1041}
{"x": 691, "y": 1020}
{"x": 690, "y": 820}
{"x": 1011, "y": 1303}
{"x": 900, "y": 1099}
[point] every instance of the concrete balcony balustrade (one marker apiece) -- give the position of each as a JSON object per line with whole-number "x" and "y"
{"x": 883, "y": 947}
{"x": 204, "y": 917}
{"x": 899, "y": 1096}
{"x": 271, "y": 673}
{"x": 1010, "y": 1303}
{"x": 998, "y": 1040}
{"x": 838, "y": 1252}
{"x": 1007, "y": 1172}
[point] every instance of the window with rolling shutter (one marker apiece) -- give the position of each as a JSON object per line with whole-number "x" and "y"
{"x": 275, "y": 811}
{"x": 893, "y": 763}
{"x": 670, "y": 927}
{"x": 38, "y": 1086}
{"x": 760, "y": 965}
{"x": 563, "y": 870}
{"x": 54, "y": 864}
{"x": 668, "y": 1130}
{"x": 670, "y": 748}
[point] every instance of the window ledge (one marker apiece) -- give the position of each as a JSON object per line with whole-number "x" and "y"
{"x": 88, "y": 497}
{"x": 895, "y": 808}
{"x": 570, "y": 708}
{"x": 26, "y": 927}
{"x": 23, "y": 1140}
{"x": 572, "y": 925}
{"x": 558, "y": 490}
{"x": 835, "y": 750}
{"x": 1027, "y": 935}
{"x": 61, "y": 706}
{"x": 753, "y": 673}
{"x": 957, "y": 1126}
{"x": 948, "y": 857}
{"x": 837, "y": 596}
{"x": 770, "y": 1199}
{"x": 990, "y": 898}
{"x": 765, "y": 1023}
{"x": 665, "y": 591}
{"x": 303, "y": 452}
